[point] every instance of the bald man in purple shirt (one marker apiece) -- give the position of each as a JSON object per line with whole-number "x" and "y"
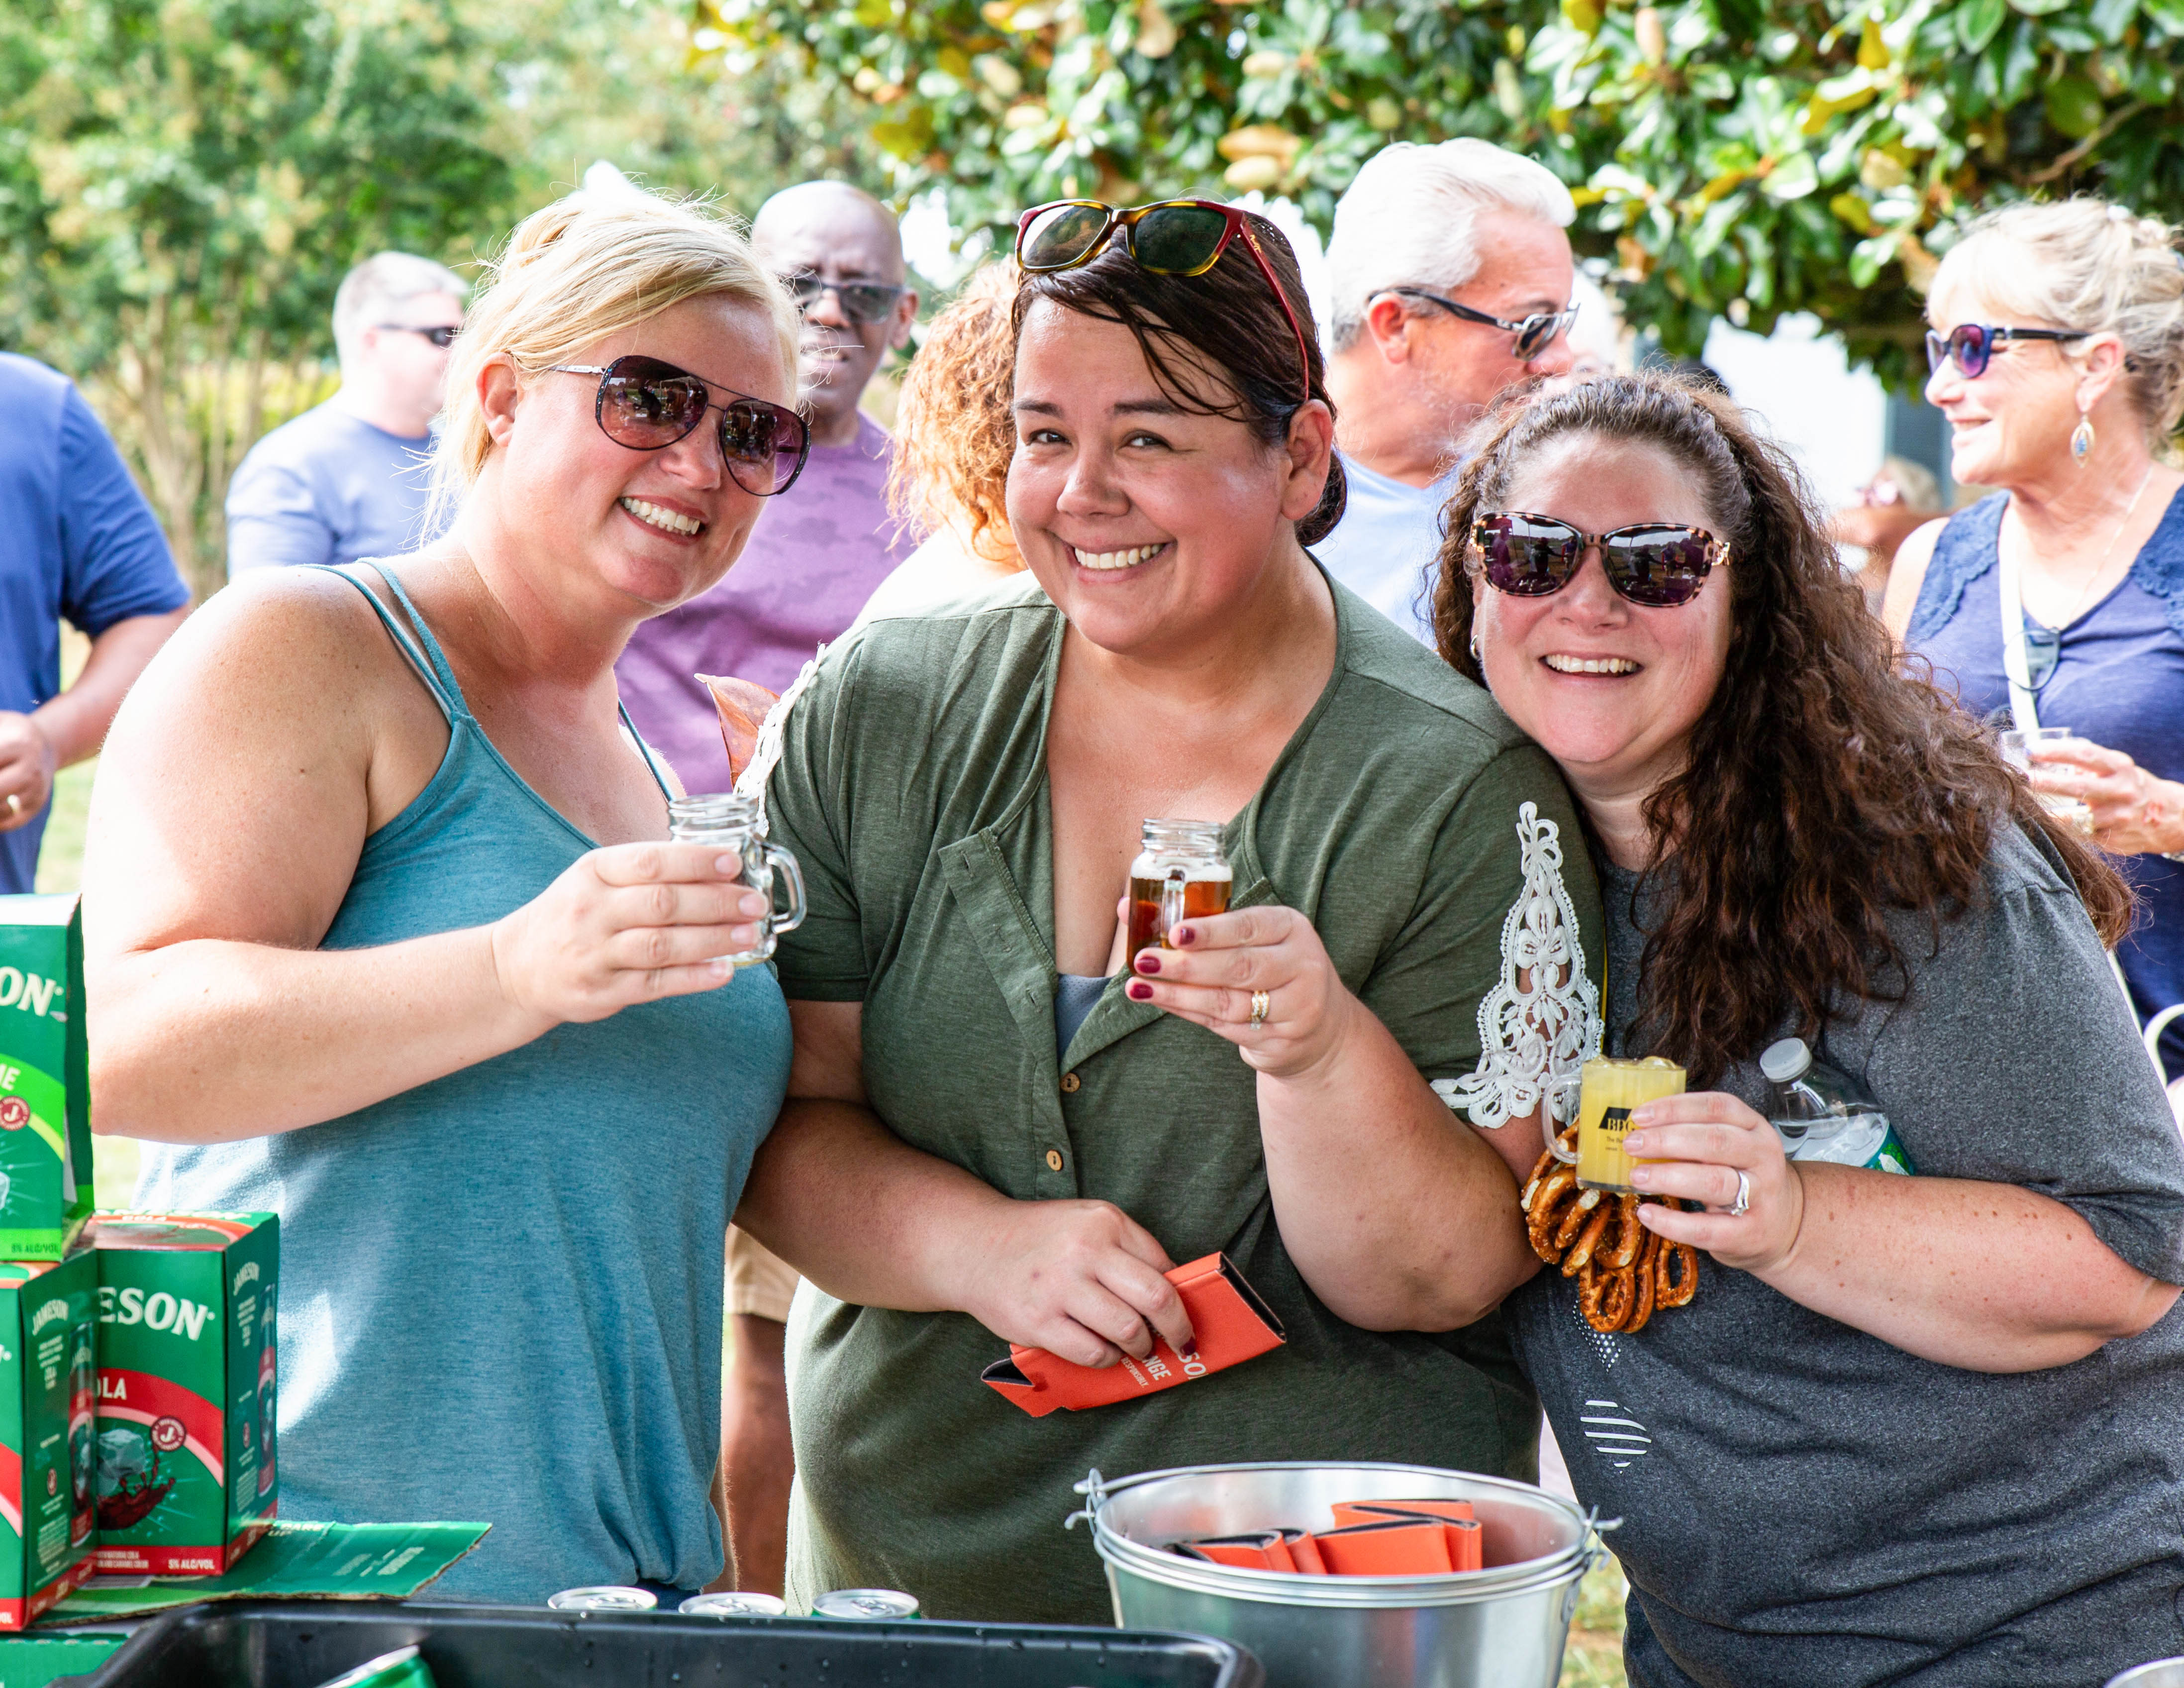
{"x": 821, "y": 548}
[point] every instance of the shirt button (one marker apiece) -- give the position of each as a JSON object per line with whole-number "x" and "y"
{"x": 1070, "y": 1081}
{"x": 1054, "y": 1160}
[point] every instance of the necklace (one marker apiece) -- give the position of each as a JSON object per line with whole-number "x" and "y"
{"x": 2108, "y": 550}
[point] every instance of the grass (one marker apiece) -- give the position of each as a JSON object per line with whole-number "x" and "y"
{"x": 1595, "y": 1656}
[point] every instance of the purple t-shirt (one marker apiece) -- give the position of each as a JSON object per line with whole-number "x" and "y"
{"x": 816, "y": 553}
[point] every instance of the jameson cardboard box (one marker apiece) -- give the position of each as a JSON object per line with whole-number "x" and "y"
{"x": 186, "y": 1479}
{"x": 46, "y": 1405}
{"x": 45, "y": 1117}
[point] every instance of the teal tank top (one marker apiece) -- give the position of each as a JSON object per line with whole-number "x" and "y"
{"x": 501, "y": 1292}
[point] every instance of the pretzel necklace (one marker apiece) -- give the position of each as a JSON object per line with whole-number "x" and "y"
{"x": 1625, "y": 1272}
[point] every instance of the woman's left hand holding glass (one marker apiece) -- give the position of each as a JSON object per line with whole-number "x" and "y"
{"x": 1259, "y": 977}
{"x": 1712, "y": 1148}
{"x": 2134, "y": 812}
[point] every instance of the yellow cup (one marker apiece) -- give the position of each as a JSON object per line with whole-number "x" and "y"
{"x": 1609, "y": 1090}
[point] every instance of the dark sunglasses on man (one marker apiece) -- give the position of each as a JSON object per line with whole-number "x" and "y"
{"x": 1169, "y": 237}
{"x": 442, "y": 335}
{"x": 1658, "y": 564}
{"x": 1534, "y": 333}
{"x": 1972, "y": 346}
{"x": 864, "y": 303}
{"x": 647, "y": 405}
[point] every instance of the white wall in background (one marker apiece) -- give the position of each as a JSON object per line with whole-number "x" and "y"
{"x": 1799, "y": 382}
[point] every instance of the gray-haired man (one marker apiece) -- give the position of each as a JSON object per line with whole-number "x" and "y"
{"x": 1450, "y": 278}
{"x": 351, "y": 478}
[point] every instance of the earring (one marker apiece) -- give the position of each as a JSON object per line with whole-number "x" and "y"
{"x": 1477, "y": 660}
{"x": 2081, "y": 440}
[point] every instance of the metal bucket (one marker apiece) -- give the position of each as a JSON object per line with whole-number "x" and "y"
{"x": 2162, "y": 1672}
{"x": 1503, "y": 1627}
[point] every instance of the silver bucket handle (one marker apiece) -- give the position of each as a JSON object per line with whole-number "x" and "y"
{"x": 1095, "y": 1491}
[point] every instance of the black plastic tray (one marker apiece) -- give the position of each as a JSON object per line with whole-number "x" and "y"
{"x": 302, "y": 1643}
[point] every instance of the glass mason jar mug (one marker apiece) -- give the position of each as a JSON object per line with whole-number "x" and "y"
{"x": 736, "y": 825}
{"x": 1179, "y": 875}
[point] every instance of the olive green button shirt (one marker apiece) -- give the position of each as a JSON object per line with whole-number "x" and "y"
{"x": 912, "y": 787}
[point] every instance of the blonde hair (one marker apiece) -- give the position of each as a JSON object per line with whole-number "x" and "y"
{"x": 2089, "y": 265}
{"x": 585, "y": 267}
{"x": 954, "y": 431}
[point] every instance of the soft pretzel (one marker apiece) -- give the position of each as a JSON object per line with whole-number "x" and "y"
{"x": 1626, "y": 1232}
{"x": 1588, "y": 1238}
{"x": 1577, "y": 1218}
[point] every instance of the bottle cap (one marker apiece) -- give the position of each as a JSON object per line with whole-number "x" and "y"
{"x": 1786, "y": 1060}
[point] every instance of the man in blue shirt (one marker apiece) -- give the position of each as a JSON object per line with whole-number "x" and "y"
{"x": 352, "y": 477}
{"x": 1450, "y": 278}
{"x": 77, "y": 541}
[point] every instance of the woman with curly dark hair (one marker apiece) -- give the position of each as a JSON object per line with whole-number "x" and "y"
{"x": 1910, "y": 1430}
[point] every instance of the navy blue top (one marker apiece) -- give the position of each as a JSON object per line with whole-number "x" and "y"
{"x": 2118, "y": 682}
{"x": 76, "y": 542}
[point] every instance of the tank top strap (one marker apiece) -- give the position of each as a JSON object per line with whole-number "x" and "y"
{"x": 651, "y": 756}
{"x": 1967, "y": 547}
{"x": 441, "y": 668}
{"x": 432, "y": 669}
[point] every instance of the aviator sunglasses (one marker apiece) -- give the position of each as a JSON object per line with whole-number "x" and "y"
{"x": 1170, "y": 238}
{"x": 1657, "y": 564}
{"x": 864, "y": 303}
{"x": 1534, "y": 333}
{"x": 647, "y": 405}
{"x": 1972, "y": 346}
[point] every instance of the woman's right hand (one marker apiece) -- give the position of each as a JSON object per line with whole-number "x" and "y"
{"x": 1081, "y": 1279}
{"x": 630, "y": 923}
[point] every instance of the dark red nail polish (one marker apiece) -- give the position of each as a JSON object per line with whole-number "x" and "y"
{"x": 1148, "y": 961}
{"x": 1183, "y": 935}
{"x": 1140, "y": 991}
{"x": 1190, "y": 1351}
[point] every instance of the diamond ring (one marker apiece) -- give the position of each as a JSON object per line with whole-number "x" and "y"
{"x": 1743, "y": 1196}
{"x": 1261, "y": 1002}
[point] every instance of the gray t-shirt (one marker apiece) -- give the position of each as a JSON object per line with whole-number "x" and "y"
{"x": 327, "y": 488}
{"x": 1805, "y": 1503}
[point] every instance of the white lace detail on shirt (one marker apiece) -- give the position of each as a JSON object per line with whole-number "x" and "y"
{"x": 766, "y": 752}
{"x": 1544, "y": 1017}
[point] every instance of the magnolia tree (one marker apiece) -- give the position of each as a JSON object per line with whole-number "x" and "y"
{"x": 1742, "y": 157}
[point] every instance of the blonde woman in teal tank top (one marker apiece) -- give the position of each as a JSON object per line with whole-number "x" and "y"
{"x": 382, "y": 935}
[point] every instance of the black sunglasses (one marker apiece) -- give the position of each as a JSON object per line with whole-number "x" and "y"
{"x": 1657, "y": 564}
{"x": 861, "y": 302}
{"x": 1972, "y": 344}
{"x": 442, "y": 336}
{"x": 1534, "y": 333}
{"x": 647, "y": 405}
{"x": 1168, "y": 237}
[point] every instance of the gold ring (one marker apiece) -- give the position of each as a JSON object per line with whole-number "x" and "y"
{"x": 1261, "y": 1002}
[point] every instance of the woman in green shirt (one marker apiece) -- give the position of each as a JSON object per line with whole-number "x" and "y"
{"x": 959, "y": 1166}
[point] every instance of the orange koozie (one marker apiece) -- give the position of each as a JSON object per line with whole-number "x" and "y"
{"x": 1396, "y": 1547}
{"x": 1373, "y": 1512}
{"x": 1304, "y": 1553}
{"x": 1231, "y": 1323}
{"x": 1266, "y": 1550}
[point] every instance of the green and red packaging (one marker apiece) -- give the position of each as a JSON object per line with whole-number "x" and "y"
{"x": 187, "y": 1478}
{"x": 44, "y": 1115}
{"x": 47, "y": 1408}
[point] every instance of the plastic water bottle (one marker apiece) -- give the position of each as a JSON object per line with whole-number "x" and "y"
{"x": 1822, "y": 1115}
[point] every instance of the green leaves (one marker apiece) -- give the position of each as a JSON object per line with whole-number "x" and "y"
{"x": 1765, "y": 154}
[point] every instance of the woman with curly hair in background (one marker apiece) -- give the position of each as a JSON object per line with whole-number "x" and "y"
{"x": 1911, "y": 1429}
{"x": 954, "y": 437}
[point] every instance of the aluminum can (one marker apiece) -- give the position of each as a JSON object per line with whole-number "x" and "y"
{"x": 866, "y": 1605}
{"x": 603, "y": 1600}
{"x": 404, "y": 1668}
{"x": 734, "y": 1604}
